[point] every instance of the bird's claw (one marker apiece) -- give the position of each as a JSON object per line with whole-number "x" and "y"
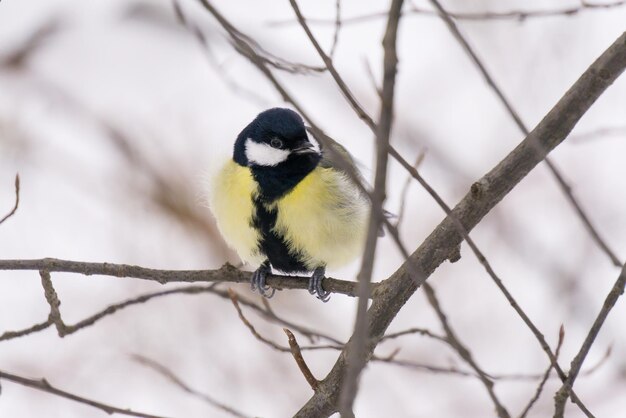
{"x": 315, "y": 285}
{"x": 258, "y": 280}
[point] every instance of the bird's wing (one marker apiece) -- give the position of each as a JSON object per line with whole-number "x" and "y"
{"x": 337, "y": 159}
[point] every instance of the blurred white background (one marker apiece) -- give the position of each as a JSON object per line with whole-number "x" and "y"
{"x": 87, "y": 196}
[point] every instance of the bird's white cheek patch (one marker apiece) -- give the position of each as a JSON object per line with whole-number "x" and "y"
{"x": 264, "y": 154}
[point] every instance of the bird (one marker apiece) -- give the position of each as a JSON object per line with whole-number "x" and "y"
{"x": 283, "y": 202}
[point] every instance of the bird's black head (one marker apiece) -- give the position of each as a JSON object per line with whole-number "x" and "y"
{"x": 272, "y": 138}
{"x": 276, "y": 147}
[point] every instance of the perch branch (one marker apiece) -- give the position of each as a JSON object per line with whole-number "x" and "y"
{"x": 227, "y": 273}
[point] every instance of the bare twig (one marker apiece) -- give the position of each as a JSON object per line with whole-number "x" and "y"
{"x": 565, "y": 188}
{"x": 233, "y": 298}
{"x": 177, "y": 381}
{"x": 195, "y": 30}
{"x": 297, "y": 355}
{"x": 546, "y": 375}
{"x": 370, "y": 74}
{"x": 17, "y": 200}
{"x": 563, "y": 393}
{"x": 405, "y": 188}
{"x": 421, "y": 331}
{"x": 358, "y": 357}
{"x": 516, "y": 15}
{"x": 337, "y": 28}
{"x": 267, "y": 57}
{"x": 227, "y": 273}
{"x": 463, "y": 351}
{"x": 43, "y": 385}
{"x": 598, "y": 133}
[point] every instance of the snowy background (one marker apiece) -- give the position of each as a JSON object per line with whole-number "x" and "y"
{"x": 88, "y": 195}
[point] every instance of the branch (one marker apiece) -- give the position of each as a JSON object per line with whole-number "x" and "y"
{"x": 297, "y": 355}
{"x": 546, "y": 375}
{"x": 43, "y": 385}
{"x": 17, "y": 199}
{"x": 563, "y": 393}
{"x": 465, "y": 354}
{"x": 177, "y": 381}
{"x": 565, "y": 188}
{"x": 551, "y": 131}
{"x": 358, "y": 357}
{"x": 485, "y": 17}
{"x": 227, "y": 273}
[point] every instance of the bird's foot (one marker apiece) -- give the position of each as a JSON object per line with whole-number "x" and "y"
{"x": 315, "y": 284}
{"x": 258, "y": 280}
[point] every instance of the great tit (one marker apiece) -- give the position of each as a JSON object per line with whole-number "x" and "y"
{"x": 283, "y": 204}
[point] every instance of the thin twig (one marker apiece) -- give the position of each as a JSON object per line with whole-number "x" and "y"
{"x": 297, "y": 355}
{"x": 266, "y": 313}
{"x": 598, "y": 133}
{"x": 410, "y": 331}
{"x": 17, "y": 200}
{"x": 177, "y": 381}
{"x": 226, "y": 77}
{"x": 486, "y": 17}
{"x": 463, "y": 351}
{"x": 563, "y": 393}
{"x": 267, "y": 57}
{"x": 370, "y": 74}
{"x": 233, "y": 298}
{"x": 546, "y": 375}
{"x": 565, "y": 188}
{"x": 43, "y": 385}
{"x": 337, "y": 28}
{"x": 405, "y": 189}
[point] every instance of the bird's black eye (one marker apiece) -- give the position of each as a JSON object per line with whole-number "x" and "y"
{"x": 276, "y": 143}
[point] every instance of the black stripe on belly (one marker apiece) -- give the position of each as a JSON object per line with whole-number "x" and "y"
{"x": 272, "y": 245}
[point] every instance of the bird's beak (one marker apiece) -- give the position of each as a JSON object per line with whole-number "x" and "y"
{"x": 305, "y": 148}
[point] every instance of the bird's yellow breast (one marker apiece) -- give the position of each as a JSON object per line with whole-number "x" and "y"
{"x": 322, "y": 219}
{"x": 233, "y": 208}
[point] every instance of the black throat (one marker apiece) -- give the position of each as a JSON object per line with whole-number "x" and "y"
{"x": 274, "y": 182}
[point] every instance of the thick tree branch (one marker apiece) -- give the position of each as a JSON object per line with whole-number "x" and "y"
{"x": 488, "y": 191}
